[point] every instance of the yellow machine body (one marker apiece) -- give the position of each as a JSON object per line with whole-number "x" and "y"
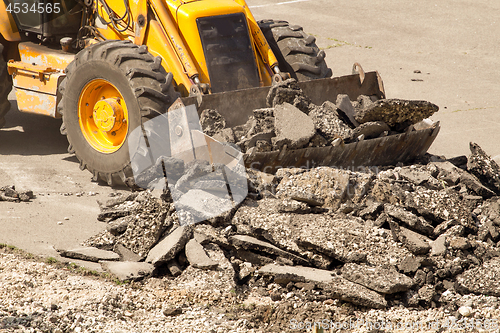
{"x": 8, "y": 28}
{"x": 168, "y": 27}
{"x": 36, "y": 78}
{"x": 173, "y": 34}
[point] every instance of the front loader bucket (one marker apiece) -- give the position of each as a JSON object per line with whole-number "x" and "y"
{"x": 380, "y": 151}
{"x": 237, "y": 106}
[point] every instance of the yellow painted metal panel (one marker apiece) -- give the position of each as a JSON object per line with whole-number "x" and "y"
{"x": 31, "y": 78}
{"x": 43, "y": 56}
{"x": 158, "y": 45}
{"x": 265, "y": 76}
{"x": 172, "y": 6}
{"x": 140, "y": 15}
{"x": 37, "y": 77}
{"x": 36, "y": 102}
{"x": 118, "y": 10}
{"x": 172, "y": 31}
{"x": 260, "y": 40}
{"x": 109, "y": 33}
{"x": 8, "y": 28}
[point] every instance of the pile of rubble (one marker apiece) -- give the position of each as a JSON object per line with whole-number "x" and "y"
{"x": 9, "y": 193}
{"x": 292, "y": 120}
{"x": 417, "y": 236}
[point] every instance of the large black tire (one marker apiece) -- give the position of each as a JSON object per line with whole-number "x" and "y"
{"x": 146, "y": 88}
{"x": 5, "y": 88}
{"x": 296, "y": 51}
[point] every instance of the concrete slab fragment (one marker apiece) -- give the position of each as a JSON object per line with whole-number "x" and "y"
{"x": 293, "y": 127}
{"x": 409, "y": 219}
{"x": 204, "y": 205}
{"x": 223, "y": 278}
{"x": 344, "y": 104}
{"x": 484, "y": 279}
{"x": 126, "y": 254}
{"x": 169, "y": 246}
{"x": 395, "y": 111}
{"x": 128, "y": 270}
{"x": 250, "y": 243}
{"x": 438, "y": 247}
{"x": 383, "y": 280}
{"x": 89, "y": 253}
{"x": 285, "y": 274}
{"x": 415, "y": 242}
{"x": 339, "y": 287}
{"x": 197, "y": 256}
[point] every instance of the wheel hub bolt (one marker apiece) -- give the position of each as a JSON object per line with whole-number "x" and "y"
{"x": 108, "y": 115}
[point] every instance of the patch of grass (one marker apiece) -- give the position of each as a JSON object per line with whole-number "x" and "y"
{"x": 80, "y": 270}
{"x": 51, "y": 260}
{"x": 7, "y": 246}
{"x": 472, "y": 109}
{"x": 70, "y": 266}
{"x": 87, "y": 272}
{"x": 11, "y": 249}
{"x": 339, "y": 43}
{"x": 118, "y": 282}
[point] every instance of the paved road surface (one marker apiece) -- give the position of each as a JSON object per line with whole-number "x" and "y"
{"x": 453, "y": 43}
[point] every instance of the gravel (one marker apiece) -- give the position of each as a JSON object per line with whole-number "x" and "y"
{"x": 36, "y": 296}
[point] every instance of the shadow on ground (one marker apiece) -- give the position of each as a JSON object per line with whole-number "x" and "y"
{"x": 31, "y": 134}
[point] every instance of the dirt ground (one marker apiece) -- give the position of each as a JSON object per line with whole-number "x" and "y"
{"x": 452, "y": 43}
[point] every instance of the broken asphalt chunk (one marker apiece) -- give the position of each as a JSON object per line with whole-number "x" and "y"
{"x": 328, "y": 123}
{"x": 223, "y": 278}
{"x": 251, "y": 243}
{"x": 484, "y": 167}
{"x": 336, "y": 285}
{"x": 409, "y": 219}
{"x": 126, "y": 254}
{"x": 415, "y": 242}
{"x": 169, "y": 246}
{"x": 484, "y": 279}
{"x": 293, "y": 127}
{"x": 89, "y": 254}
{"x": 381, "y": 279}
{"x": 395, "y": 111}
{"x": 128, "y": 270}
{"x": 197, "y": 256}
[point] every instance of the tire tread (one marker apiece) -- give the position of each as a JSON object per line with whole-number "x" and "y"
{"x": 296, "y": 51}
{"x": 152, "y": 86}
{"x": 5, "y": 88}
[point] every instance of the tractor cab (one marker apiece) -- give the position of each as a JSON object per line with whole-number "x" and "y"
{"x": 46, "y": 19}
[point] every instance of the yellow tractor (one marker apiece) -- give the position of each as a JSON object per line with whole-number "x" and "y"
{"x": 107, "y": 66}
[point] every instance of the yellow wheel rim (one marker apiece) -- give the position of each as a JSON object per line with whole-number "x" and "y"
{"x": 103, "y": 116}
